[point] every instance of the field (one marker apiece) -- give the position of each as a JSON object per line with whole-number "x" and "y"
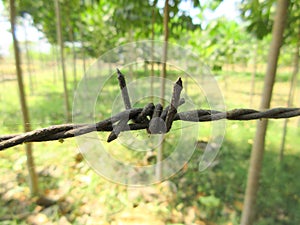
{"x": 214, "y": 196}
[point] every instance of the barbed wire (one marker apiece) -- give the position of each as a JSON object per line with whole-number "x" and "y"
{"x": 154, "y": 118}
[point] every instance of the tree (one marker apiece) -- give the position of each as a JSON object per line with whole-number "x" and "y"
{"x": 259, "y": 53}
{"x": 253, "y": 75}
{"x": 43, "y": 12}
{"x": 163, "y": 84}
{"x": 72, "y": 40}
{"x": 293, "y": 37}
{"x": 62, "y": 60}
{"x": 291, "y": 94}
{"x": 173, "y": 26}
{"x": 259, "y": 15}
{"x": 33, "y": 179}
{"x": 165, "y": 50}
{"x": 152, "y": 48}
{"x": 129, "y": 18}
{"x": 28, "y": 60}
{"x": 95, "y": 28}
{"x": 248, "y": 213}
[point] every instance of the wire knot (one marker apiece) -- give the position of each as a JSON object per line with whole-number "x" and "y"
{"x": 156, "y": 119}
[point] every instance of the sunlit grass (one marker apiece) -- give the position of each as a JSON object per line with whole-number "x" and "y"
{"x": 224, "y": 182}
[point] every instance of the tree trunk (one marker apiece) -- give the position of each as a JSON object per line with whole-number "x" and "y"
{"x": 252, "y": 91}
{"x": 83, "y": 58}
{"x": 291, "y": 95}
{"x": 41, "y": 57}
{"x": 227, "y": 70}
{"x": 152, "y": 51}
{"x": 82, "y": 51}
{"x": 54, "y": 53}
{"x": 28, "y": 62}
{"x": 33, "y": 179}
{"x": 130, "y": 38}
{"x": 71, "y": 36}
{"x": 165, "y": 51}
{"x": 159, "y": 171}
{"x": 62, "y": 60}
{"x": 248, "y": 213}
{"x": 74, "y": 62}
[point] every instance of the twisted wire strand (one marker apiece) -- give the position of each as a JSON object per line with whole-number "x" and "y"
{"x": 63, "y": 131}
{"x": 154, "y": 118}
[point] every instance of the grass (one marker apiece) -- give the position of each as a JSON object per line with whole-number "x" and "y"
{"x": 214, "y": 196}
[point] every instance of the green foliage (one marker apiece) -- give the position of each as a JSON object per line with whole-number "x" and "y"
{"x": 222, "y": 42}
{"x": 135, "y": 16}
{"x": 96, "y": 30}
{"x": 292, "y": 32}
{"x": 101, "y": 25}
{"x": 88, "y": 22}
{"x": 259, "y": 15}
{"x": 210, "y": 204}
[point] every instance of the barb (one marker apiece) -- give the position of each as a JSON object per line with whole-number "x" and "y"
{"x": 124, "y": 91}
{"x": 154, "y": 119}
{"x": 122, "y": 124}
{"x": 174, "y": 104}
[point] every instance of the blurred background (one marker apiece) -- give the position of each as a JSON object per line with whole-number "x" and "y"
{"x": 57, "y": 42}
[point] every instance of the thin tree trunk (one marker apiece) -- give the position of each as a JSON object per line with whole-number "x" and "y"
{"x": 74, "y": 62}
{"x": 62, "y": 60}
{"x": 28, "y": 62}
{"x": 83, "y": 59}
{"x": 227, "y": 69}
{"x": 165, "y": 51}
{"x": 152, "y": 52}
{"x": 252, "y": 92}
{"x": 159, "y": 171}
{"x": 291, "y": 95}
{"x": 186, "y": 81}
{"x": 248, "y": 214}
{"x": 41, "y": 57}
{"x": 71, "y": 36}
{"x": 130, "y": 37}
{"x": 2, "y": 81}
{"x": 33, "y": 179}
{"x": 82, "y": 5}
{"x": 56, "y": 67}
{"x": 82, "y": 52}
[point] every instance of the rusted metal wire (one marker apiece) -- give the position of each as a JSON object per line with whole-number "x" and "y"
{"x": 153, "y": 118}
